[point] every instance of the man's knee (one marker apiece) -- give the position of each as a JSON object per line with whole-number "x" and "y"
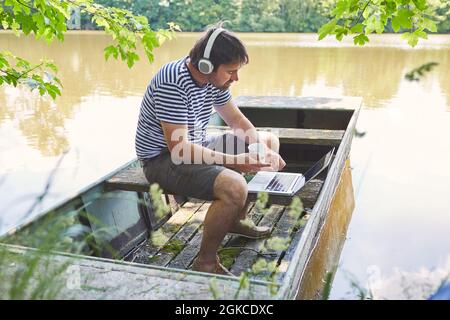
{"x": 231, "y": 187}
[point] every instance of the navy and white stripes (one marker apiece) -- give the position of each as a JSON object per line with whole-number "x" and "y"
{"x": 173, "y": 96}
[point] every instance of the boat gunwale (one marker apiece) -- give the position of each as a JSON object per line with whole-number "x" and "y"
{"x": 296, "y": 269}
{"x": 169, "y": 273}
{"x": 60, "y": 204}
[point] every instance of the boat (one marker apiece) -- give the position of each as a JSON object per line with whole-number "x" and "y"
{"x": 128, "y": 261}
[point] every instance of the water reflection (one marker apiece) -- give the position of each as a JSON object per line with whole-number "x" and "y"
{"x": 419, "y": 284}
{"x": 374, "y": 73}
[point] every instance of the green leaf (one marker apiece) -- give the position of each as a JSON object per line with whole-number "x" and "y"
{"x": 395, "y": 24}
{"x": 15, "y": 28}
{"x": 38, "y": 18}
{"x": 340, "y": 8}
{"x": 391, "y": 7}
{"x": 131, "y": 58}
{"x": 150, "y": 40}
{"x": 420, "y": 34}
{"x": 371, "y": 25}
{"x": 360, "y": 39}
{"x": 327, "y": 29}
{"x": 411, "y": 38}
{"x": 340, "y": 32}
{"x": 51, "y": 66}
{"x": 429, "y": 25}
{"x": 150, "y": 55}
{"x": 110, "y": 50}
{"x": 3, "y": 61}
{"x": 379, "y": 25}
{"x": 404, "y": 18}
{"x": 357, "y": 28}
{"x": 420, "y": 4}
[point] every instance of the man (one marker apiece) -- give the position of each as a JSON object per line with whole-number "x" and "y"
{"x": 171, "y": 139}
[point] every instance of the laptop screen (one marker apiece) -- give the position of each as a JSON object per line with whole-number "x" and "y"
{"x": 318, "y": 166}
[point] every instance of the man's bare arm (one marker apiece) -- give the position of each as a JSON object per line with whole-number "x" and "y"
{"x": 183, "y": 151}
{"x": 237, "y": 121}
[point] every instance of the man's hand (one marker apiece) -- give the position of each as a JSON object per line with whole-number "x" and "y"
{"x": 245, "y": 162}
{"x": 276, "y": 162}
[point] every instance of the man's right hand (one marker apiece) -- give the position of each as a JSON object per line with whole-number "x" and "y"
{"x": 245, "y": 162}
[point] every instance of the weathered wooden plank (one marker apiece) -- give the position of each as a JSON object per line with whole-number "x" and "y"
{"x": 296, "y": 135}
{"x": 174, "y": 205}
{"x": 102, "y": 279}
{"x": 298, "y": 103}
{"x": 169, "y": 229}
{"x": 186, "y": 257}
{"x": 174, "y": 246}
{"x": 285, "y": 228}
{"x": 246, "y": 257}
{"x": 129, "y": 179}
{"x": 232, "y": 244}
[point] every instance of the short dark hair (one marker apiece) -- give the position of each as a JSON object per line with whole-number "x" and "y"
{"x": 227, "y": 49}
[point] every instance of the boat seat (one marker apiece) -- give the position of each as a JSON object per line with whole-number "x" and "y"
{"x": 128, "y": 179}
{"x": 133, "y": 179}
{"x": 295, "y": 135}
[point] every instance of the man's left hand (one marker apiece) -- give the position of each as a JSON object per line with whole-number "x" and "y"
{"x": 276, "y": 162}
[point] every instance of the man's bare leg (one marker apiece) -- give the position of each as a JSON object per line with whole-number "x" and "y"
{"x": 230, "y": 190}
{"x": 230, "y": 206}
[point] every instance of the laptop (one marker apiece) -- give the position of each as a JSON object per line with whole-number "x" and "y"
{"x": 286, "y": 183}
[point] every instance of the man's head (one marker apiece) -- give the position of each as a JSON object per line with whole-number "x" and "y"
{"x": 227, "y": 55}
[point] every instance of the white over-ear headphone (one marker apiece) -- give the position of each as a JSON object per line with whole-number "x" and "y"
{"x": 204, "y": 65}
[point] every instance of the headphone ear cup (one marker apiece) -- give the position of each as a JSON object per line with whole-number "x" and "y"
{"x": 205, "y": 66}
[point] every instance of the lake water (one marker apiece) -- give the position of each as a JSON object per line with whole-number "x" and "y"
{"x": 398, "y": 238}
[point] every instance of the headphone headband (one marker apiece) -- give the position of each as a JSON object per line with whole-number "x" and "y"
{"x": 210, "y": 43}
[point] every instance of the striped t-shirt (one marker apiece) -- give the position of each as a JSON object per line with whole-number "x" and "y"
{"x": 173, "y": 96}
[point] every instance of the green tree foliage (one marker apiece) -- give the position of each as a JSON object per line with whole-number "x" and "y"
{"x": 305, "y": 16}
{"x": 47, "y": 20}
{"x": 190, "y": 15}
{"x": 360, "y": 18}
{"x": 442, "y": 14}
{"x": 259, "y": 16}
{"x": 264, "y": 15}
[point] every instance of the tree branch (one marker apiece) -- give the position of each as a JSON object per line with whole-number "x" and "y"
{"x": 28, "y": 71}
{"x": 24, "y": 4}
{"x": 23, "y": 73}
{"x": 364, "y": 9}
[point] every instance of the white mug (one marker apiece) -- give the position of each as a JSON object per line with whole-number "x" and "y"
{"x": 258, "y": 149}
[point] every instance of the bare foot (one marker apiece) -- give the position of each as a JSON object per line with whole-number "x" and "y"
{"x": 255, "y": 232}
{"x": 210, "y": 267}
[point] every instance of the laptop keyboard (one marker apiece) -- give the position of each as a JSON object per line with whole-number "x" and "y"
{"x": 280, "y": 182}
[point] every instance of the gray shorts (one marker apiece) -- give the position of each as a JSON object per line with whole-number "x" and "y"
{"x": 192, "y": 180}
